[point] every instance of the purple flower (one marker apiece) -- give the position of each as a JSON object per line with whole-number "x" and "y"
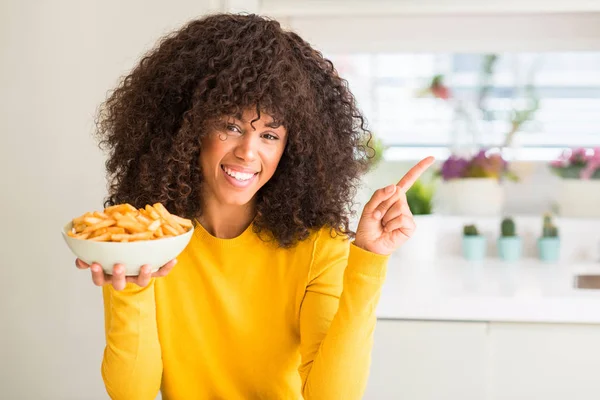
{"x": 497, "y": 162}
{"x": 481, "y": 165}
{"x": 485, "y": 165}
{"x": 579, "y": 163}
{"x": 578, "y": 157}
{"x": 480, "y": 158}
{"x": 593, "y": 164}
{"x": 454, "y": 167}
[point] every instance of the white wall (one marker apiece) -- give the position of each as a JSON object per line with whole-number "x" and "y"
{"x": 441, "y": 25}
{"x": 458, "y": 33}
{"x": 58, "y": 60}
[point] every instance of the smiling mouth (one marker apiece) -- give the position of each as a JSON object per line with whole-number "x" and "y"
{"x": 238, "y": 176}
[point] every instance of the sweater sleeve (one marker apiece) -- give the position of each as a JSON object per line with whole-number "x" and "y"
{"x": 337, "y": 319}
{"x": 132, "y": 364}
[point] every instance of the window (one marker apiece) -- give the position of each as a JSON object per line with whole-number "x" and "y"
{"x": 566, "y": 84}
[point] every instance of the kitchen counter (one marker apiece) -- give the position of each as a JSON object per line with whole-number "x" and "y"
{"x": 453, "y": 289}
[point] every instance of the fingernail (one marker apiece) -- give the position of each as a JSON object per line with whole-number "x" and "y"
{"x": 377, "y": 214}
{"x": 175, "y": 262}
{"x": 95, "y": 268}
{"x": 389, "y": 189}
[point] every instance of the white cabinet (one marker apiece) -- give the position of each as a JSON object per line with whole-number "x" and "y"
{"x": 544, "y": 361}
{"x": 436, "y": 360}
{"x": 428, "y": 361}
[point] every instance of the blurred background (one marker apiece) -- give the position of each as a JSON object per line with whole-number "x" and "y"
{"x": 496, "y": 296}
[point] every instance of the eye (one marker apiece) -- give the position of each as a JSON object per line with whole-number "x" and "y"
{"x": 270, "y": 137}
{"x": 234, "y": 128}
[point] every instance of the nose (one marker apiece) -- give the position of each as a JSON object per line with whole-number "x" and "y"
{"x": 246, "y": 148}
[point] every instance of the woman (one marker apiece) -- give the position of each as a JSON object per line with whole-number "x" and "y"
{"x": 250, "y": 132}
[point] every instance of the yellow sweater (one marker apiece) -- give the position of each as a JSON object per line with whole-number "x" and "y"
{"x": 241, "y": 319}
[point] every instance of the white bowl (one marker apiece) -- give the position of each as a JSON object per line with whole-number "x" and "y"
{"x": 133, "y": 255}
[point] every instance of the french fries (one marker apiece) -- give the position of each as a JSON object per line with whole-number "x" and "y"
{"x": 125, "y": 223}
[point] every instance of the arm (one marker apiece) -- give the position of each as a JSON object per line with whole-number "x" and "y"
{"x": 132, "y": 363}
{"x": 336, "y": 326}
{"x": 336, "y": 350}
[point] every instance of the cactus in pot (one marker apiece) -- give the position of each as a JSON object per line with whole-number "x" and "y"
{"x": 507, "y": 227}
{"x": 470, "y": 230}
{"x": 473, "y": 243}
{"x": 509, "y": 243}
{"x": 549, "y": 242}
{"x": 549, "y": 230}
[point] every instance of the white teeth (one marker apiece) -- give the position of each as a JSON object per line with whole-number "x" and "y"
{"x": 240, "y": 176}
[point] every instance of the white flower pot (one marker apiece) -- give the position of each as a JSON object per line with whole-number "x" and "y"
{"x": 422, "y": 245}
{"x": 579, "y": 198}
{"x": 470, "y": 196}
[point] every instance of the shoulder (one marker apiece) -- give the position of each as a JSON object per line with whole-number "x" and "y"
{"x": 327, "y": 239}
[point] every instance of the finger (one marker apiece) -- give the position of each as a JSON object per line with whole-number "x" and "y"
{"x": 165, "y": 269}
{"x": 98, "y": 274}
{"x": 131, "y": 279}
{"x": 405, "y": 209}
{"x": 394, "y": 211}
{"x": 403, "y": 223}
{"x": 398, "y": 202}
{"x": 399, "y": 234}
{"x": 379, "y": 196}
{"x": 414, "y": 173}
{"x": 80, "y": 264}
{"x": 118, "y": 277}
{"x": 144, "y": 278}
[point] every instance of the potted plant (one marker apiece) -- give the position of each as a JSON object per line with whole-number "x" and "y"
{"x": 579, "y": 170}
{"x": 472, "y": 185}
{"x": 420, "y": 198}
{"x": 473, "y": 174}
{"x": 423, "y": 243}
{"x": 549, "y": 242}
{"x": 509, "y": 243}
{"x": 473, "y": 243}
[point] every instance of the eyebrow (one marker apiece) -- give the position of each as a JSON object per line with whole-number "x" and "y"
{"x": 273, "y": 124}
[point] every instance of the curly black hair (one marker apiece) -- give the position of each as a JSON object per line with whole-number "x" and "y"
{"x": 152, "y": 123}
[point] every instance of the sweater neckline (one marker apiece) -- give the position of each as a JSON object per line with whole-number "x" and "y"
{"x": 210, "y": 240}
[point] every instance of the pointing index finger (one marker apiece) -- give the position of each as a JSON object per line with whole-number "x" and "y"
{"x": 414, "y": 173}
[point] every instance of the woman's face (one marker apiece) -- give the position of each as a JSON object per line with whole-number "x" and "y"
{"x": 238, "y": 159}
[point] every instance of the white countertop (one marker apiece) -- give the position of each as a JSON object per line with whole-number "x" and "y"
{"x": 454, "y": 289}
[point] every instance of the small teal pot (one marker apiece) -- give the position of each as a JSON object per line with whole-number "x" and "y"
{"x": 474, "y": 247}
{"x": 510, "y": 248}
{"x": 549, "y": 249}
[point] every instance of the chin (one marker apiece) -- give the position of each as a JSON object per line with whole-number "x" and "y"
{"x": 237, "y": 200}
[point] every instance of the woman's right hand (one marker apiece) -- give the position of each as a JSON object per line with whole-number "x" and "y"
{"x": 118, "y": 278}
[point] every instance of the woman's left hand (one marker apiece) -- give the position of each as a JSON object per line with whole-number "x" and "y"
{"x": 387, "y": 222}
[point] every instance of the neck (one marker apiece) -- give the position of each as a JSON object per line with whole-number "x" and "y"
{"x": 226, "y": 221}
